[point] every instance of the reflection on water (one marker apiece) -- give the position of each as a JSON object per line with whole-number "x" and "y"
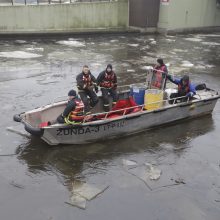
{"x": 72, "y": 163}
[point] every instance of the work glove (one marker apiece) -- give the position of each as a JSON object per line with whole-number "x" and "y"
{"x": 189, "y": 94}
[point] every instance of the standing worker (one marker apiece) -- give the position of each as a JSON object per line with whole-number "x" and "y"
{"x": 86, "y": 83}
{"x": 107, "y": 80}
{"x": 159, "y": 75}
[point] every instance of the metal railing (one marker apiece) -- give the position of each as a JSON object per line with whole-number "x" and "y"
{"x": 38, "y": 2}
{"x": 106, "y": 114}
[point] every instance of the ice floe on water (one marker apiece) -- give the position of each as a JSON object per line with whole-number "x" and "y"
{"x": 83, "y": 192}
{"x": 208, "y": 35}
{"x": 211, "y": 43}
{"x": 186, "y": 63}
{"x": 19, "y": 55}
{"x": 96, "y": 64}
{"x": 170, "y": 40}
{"x": 72, "y": 43}
{"x": 204, "y": 66}
{"x": 131, "y": 71}
{"x": 193, "y": 39}
{"x": 40, "y": 49}
{"x": 114, "y": 41}
{"x": 180, "y": 50}
{"x": 152, "y": 172}
{"x": 133, "y": 45}
{"x": 20, "y": 41}
{"x": 145, "y": 47}
{"x": 129, "y": 162}
{"x": 146, "y": 67}
{"x": 153, "y": 42}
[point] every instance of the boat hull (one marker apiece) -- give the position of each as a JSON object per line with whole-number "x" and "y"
{"x": 126, "y": 125}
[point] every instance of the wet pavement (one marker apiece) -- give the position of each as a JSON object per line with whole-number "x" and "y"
{"x": 36, "y": 180}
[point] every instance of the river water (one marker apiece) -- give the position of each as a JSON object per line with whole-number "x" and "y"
{"x": 36, "y": 180}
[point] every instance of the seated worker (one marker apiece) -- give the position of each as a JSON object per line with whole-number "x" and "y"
{"x": 71, "y": 106}
{"x": 86, "y": 84}
{"x": 107, "y": 80}
{"x": 185, "y": 88}
{"x": 159, "y": 75}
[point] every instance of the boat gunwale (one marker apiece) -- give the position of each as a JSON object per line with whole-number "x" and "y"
{"x": 131, "y": 115}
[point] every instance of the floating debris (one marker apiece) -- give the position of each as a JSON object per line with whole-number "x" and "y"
{"x": 180, "y": 181}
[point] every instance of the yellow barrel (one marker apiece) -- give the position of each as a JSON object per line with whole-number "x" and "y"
{"x": 153, "y": 99}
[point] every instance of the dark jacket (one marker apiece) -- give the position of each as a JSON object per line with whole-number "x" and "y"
{"x": 71, "y": 105}
{"x": 101, "y": 78}
{"x": 81, "y": 84}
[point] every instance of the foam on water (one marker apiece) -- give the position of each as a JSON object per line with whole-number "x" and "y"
{"x": 19, "y": 55}
{"x": 72, "y": 43}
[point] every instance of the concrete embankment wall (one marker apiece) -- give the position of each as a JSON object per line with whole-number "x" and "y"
{"x": 62, "y": 18}
{"x": 183, "y": 15}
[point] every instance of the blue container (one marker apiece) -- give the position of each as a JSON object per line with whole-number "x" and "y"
{"x": 138, "y": 94}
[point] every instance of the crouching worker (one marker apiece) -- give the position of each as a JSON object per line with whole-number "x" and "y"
{"x": 74, "y": 107}
{"x": 107, "y": 80}
{"x": 186, "y": 90}
{"x": 86, "y": 84}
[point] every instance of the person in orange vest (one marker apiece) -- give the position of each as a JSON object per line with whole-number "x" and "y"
{"x": 186, "y": 90}
{"x": 71, "y": 106}
{"x": 86, "y": 84}
{"x": 159, "y": 74}
{"x": 107, "y": 80}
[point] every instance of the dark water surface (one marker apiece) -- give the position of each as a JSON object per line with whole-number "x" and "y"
{"x": 36, "y": 180}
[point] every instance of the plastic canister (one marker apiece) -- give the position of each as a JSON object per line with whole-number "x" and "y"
{"x": 138, "y": 93}
{"x": 153, "y": 99}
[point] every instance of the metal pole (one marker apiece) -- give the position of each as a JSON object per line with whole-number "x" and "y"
{"x": 12, "y": 2}
{"x": 25, "y": 1}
